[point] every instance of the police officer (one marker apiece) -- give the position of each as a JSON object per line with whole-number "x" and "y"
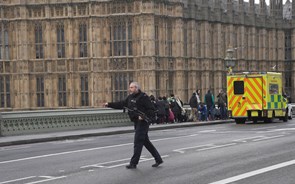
{"x": 135, "y": 102}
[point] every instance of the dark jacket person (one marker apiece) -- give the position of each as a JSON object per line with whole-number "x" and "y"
{"x": 138, "y": 100}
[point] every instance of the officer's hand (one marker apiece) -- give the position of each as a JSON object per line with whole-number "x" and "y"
{"x": 140, "y": 118}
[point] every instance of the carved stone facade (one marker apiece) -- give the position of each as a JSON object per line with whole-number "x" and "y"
{"x": 55, "y": 54}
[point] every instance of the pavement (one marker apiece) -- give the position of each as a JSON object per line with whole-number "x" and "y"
{"x": 76, "y": 134}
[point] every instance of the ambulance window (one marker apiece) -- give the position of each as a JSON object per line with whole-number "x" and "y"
{"x": 238, "y": 87}
{"x": 273, "y": 89}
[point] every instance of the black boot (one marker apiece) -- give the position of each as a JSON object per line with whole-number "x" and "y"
{"x": 157, "y": 163}
{"x": 131, "y": 166}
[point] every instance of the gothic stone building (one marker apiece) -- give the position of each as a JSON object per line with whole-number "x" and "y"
{"x": 73, "y": 54}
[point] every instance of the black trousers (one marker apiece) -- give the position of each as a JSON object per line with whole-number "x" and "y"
{"x": 141, "y": 139}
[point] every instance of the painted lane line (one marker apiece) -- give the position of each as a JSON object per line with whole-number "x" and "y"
{"x": 49, "y": 179}
{"x": 254, "y": 173}
{"x": 266, "y": 138}
{"x": 90, "y": 149}
{"x": 246, "y": 139}
{"x": 119, "y": 165}
{"x": 182, "y": 150}
{"x": 261, "y": 128}
{"x": 20, "y": 179}
{"x": 207, "y": 131}
{"x": 14, "y": 148}
{"x": 100, "y": 164}
{"x": 278, "y": 130}
{"x": 217, "y": 146}
{"x": 177, "y": 137}
{"x": 141, "y": 160}
{"x": 63, "y": 153}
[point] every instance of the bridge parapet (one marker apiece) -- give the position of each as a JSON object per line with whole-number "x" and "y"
{"x": 45, "y": 121}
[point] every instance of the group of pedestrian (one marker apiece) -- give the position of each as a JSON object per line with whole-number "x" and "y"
{"x": 169, "y": 110}
{"x": 208, "y": 109}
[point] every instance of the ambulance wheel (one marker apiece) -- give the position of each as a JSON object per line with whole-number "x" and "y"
{"x": 240, "y": 121}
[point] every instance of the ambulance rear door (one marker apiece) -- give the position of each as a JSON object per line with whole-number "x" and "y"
{"x": 237, "y": 101}
{"x": 254, "y": 94}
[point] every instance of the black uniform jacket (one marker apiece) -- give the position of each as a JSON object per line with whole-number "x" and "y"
{"x": 139, "y": 101}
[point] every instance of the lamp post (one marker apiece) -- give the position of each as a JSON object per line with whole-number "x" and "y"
{"x": 230, "y": 61}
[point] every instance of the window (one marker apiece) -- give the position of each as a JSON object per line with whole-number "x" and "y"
{"x": 6, "y": 46}
{"x": 40, "y": 91}
{"x": 238, "y": 87}
{"x": 185, "y": 39}
{"x": 5, "y": 91}
{"x": 84, "y": 90}
{"x": 169, "y": 37}
{"x": 121, "y": 38}
{"x": 120, "y": 84}
{"x": 1, "y": 46}
{"x": 39, "y": 41}
{"x": 60, "y": 33}
{"x": 4, "y": 43}
{"x": 62, "y": 91}
{"x": 130, "y": 53}
{"x": 83, "y": 40}
{"x": 273, "y": 89}
{"x": 157, "y": 47}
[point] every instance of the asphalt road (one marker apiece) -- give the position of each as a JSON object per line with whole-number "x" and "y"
{"x": 213, "y": 154}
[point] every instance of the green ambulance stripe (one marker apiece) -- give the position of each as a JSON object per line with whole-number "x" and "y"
{"x": 275, "y": 102}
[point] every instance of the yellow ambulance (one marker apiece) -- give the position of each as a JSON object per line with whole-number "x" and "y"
{"x": 256, "y": 97}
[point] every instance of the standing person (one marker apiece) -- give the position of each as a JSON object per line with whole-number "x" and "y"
{"x": 209, "y": 101}
{"x": 198, "y": 92}
{"x": 222, "y": 103}
{"x": 193, "y": 103}
{"x": 161, "y": 112}
{"x": 138, "y": 100}
{"x": 175, "y": 108}
{"x": 167, "y": 109}
{"x": 182, "y": 115}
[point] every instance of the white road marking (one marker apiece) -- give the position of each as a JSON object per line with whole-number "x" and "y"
{"x": 207, "y": 131}
{"x": 265, "y": 138}
{"x": 13, "y": 148}
{"x": 178, "y": 137}
{"x": 246, "y": 139}
{"x": 71, "y": 141}
{"x": 256, "y": 172}
{"x": 20, "y": 179}
{"x": 278, "y": 130}
{"x": 217, "y": 146}
{"x": 63, "y": 153}
{"x": 49, "y": 178}
{"x": 261, "y": 128}
{"x": 101, "y": 164}
{"x": 90, "y": 149}
{"x": 141, "y": 160}
{"x": 182, "y": 150}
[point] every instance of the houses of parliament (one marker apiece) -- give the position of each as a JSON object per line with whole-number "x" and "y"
{"x": 58, "y": 54}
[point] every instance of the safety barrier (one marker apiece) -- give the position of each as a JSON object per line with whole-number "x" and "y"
{"x": 45, "y": 121}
